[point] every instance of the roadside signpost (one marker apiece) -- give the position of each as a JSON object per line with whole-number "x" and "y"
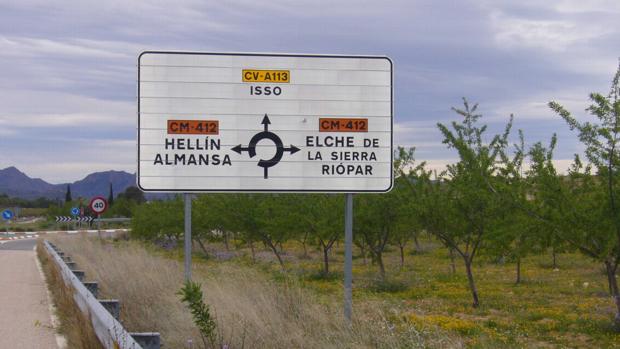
{"x": 75, "y": 212}
{"x": 7, "y": 215}
{"x": 218, "y": 122}
{"x": 69, "y": 219}
{"x": 98, "y": 205}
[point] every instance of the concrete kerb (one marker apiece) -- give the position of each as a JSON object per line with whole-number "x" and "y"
{"x": 103, "y": 313}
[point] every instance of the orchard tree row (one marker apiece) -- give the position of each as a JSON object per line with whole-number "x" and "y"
{"x": 500, "y": 198}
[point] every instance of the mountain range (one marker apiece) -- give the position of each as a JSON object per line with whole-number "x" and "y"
{"x": 15, "y": 183}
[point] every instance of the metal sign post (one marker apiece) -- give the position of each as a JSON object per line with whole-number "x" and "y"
{"x": 98, "y": 205}
{"x": 348, "y": 256}
{"x": 188, "y": 236}
{"x": 7, "y": 215}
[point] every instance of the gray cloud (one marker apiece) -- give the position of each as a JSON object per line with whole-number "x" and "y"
{"x": 69, "y": 68}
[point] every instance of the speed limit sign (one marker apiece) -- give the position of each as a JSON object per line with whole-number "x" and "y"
{"x": 98, "y": 205}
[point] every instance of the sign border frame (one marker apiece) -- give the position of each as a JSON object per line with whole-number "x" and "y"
{"x": 302, "y": 55}
{"x": 90, "y": 204}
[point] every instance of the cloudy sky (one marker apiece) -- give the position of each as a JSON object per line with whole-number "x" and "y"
{"x": 68, "y": 68}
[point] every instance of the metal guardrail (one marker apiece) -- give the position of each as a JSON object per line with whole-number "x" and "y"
{"x": 112, "y": 220}
{"x": 108, "y": 329}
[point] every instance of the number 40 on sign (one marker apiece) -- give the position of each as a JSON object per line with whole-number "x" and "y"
{"x": 98, "y": 205}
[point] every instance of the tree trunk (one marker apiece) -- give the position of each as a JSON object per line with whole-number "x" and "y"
{"x": 555, "y": 264}
{"x": 518, "y": 271}
{"x": 274, "y": 248}
{"x": 472, "y": 283}
{"x": 303, "y": 243}
{"x": 379, "y": 258}
{"x": 417, "y": 243}
{"x": 325, "y": 261}
{"x": 225, "y": 233}
{"x": 253, "y": 252}
{"x": 452, "y": 261}
{"x": 402, "y": 256}
{"x": 613, "y": 286}
{"x": 609, "y": 280}
{"x": 363, "y": 253}
{"x": 202, "y": 247}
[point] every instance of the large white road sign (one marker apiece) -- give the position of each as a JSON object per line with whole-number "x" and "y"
{"x": 264, "y": 122}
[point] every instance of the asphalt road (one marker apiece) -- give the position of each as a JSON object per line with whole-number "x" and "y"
{"x": 18, "y": 245}
{"x": 25, "y": 320}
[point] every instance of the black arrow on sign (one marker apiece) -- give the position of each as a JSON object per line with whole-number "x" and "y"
{"x": 292, "y": 149}
{"x": 266, "y": 134}
{"x": 240, "y": 149}
{"x": 266, "y": 122}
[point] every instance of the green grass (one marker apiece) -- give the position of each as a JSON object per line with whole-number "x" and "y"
{"x": 565, "y": 307}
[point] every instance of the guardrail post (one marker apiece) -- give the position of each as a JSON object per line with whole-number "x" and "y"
{"x": 93, "y": 287}
{"x": 71, "y": 265}
{"x": 65, "y": 258}
{"x": 113, "y": 306}
{"x": 147, "y": 340}
{"x": 103, "y": 313}
{"x": 79, "y": 274}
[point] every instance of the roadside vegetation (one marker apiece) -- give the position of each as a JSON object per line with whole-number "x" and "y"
{"x": 498, "y": 250}
{"x": 254, "y": 306}
{"x": 74, "y": 326}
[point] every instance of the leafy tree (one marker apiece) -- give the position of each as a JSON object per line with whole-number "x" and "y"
{"x": 408, "y": 226}
{"x": 584, "y": 206}
{"x": 158, "y": 220}
{"x": 377, "y": 217}
{"x": 258, "y": 217}
{"x": 7, "y": 201}
{"x": 382, "y": 218}
{"x": 133, "y": 193}
{"x": 472, "y": 206}
{"x": 210, "y": 219}
{"x": 321, "y": 216}
{"x": 111, "y": 196}
{"x": 68, "y": 194}
{"x": 517, "y": 233}
{"x": 276, "y": 221}
{"x": 123, "y": 207}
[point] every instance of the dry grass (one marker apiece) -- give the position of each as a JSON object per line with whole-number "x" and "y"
{"x": 252, "y": 310}
{"x": 74, "y": 325}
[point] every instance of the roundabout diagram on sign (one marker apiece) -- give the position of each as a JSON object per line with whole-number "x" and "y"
{"x": 266, "y": 134}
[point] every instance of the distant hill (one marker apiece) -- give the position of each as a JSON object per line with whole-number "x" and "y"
{"x": 98, "y": 183}
{"x": 15, "y": 183}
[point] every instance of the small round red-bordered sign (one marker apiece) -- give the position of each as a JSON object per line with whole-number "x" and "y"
{"x": 98, "y": 205}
